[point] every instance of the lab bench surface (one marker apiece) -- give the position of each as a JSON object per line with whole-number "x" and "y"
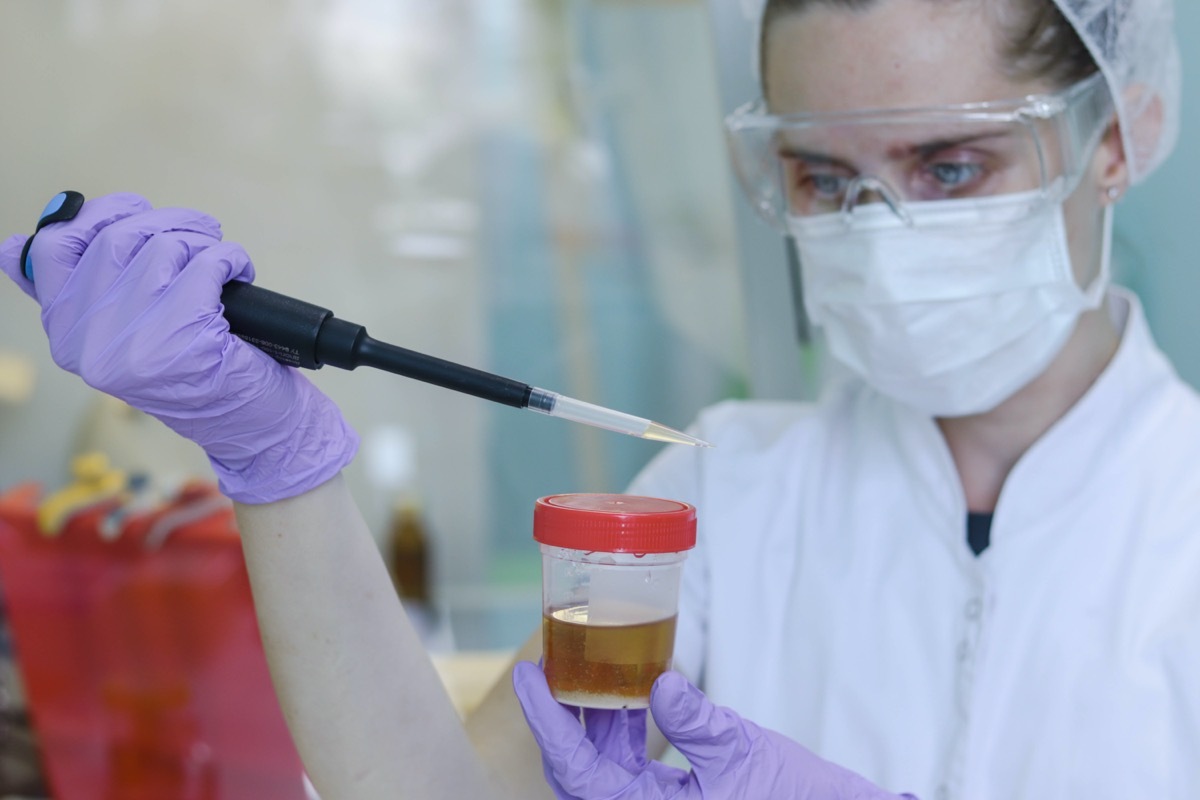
{"x": 468, "y": 676}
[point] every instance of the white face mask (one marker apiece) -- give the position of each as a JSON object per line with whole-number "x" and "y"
{"x": 955, "y": 314}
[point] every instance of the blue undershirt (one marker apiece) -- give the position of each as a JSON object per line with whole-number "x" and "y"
{"x": 979, "y": 531}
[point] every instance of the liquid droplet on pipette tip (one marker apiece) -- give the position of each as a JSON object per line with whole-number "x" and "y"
{"x": 661, "y": 433}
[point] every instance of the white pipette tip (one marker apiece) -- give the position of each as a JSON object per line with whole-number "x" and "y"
{"x": 557, "y": 405}
{"x": 661, "y": 433}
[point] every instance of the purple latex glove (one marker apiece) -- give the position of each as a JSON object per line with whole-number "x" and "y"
{"x": 620, "y": 735}
{"x": 131, "y": 302}
{"x": 731, "y": 758}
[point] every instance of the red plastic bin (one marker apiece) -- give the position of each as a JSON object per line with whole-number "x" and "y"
{"x": 143, "y": 668}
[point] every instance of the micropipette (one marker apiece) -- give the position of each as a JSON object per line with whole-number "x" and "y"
{"x": 300, "y": 334}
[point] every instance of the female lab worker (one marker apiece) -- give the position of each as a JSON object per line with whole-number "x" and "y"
{"x": 973, "y": 569}
{"x": 835, "y": 597}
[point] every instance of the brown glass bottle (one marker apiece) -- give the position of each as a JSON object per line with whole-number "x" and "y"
{"x": 409, "y": 552}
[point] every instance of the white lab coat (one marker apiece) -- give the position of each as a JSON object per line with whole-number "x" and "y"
{"x": 833, "y": 597}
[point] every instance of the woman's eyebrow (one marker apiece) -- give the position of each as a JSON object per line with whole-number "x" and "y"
{"x": 925, "y": 148}
{"x": 810, "y": 157}
{"x": 921, "y": 149}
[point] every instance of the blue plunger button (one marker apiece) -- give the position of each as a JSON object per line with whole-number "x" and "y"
{"x": 62, "y": 207}
{"x": 55, "y": 204}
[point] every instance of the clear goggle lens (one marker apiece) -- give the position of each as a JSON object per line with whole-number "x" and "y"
{"x": 808, "y": 165}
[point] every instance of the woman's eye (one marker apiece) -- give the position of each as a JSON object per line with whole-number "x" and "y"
{"x": 953, "y": 175}
{"x": 827, "y": 186}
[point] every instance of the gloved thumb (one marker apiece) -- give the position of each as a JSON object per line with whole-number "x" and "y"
{"x": 571, "y": 762}
{"x": 714, "y": 739}
{"x": 10, "y": 256}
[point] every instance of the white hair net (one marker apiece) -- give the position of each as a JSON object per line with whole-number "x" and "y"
{"x": 1133, "y": 43}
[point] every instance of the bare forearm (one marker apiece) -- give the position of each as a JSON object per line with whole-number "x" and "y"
{"x": 362, "y": 700}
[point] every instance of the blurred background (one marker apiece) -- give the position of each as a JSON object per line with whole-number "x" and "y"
{"x": 534, "y": 187}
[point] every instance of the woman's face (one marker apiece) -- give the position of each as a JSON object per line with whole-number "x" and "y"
{"x": 908, "y": 54}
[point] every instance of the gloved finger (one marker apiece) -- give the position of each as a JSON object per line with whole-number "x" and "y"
{"x": 153, "y": 269}
{"x": 553, "y": 719}
{"x": 10, "y": 254}
{"x": 712, "y": 738}
{"x": 618, "y": 734}
{"x": 573, "y": 761}
{"x": 206, "y": 274}
{"x": 58, "y": 247}
{"x": 523, "y": 685}
{"x": 148, "y": 320}
{"x": 115, "y": 247}
{"x": 198, "y": 289}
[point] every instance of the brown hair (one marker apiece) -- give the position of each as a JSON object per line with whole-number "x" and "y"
{"x": 1039, "y": 42}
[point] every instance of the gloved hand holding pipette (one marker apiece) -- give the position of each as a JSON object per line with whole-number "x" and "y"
{"x": 131, "y": 302}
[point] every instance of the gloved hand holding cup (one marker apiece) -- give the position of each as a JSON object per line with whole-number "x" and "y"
{"x": 731, "y": 758}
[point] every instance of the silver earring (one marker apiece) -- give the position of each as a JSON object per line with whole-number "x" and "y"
{"x": 1114, "y": 193}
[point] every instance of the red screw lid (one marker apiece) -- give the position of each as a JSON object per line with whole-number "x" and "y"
{"x": 614, "y": 523}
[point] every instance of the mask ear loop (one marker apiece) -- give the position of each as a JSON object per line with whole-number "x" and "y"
{"x": 865, "y": 183}
{"x": 1095, "y": 292}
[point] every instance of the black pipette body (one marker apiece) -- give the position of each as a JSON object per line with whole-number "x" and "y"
{"x": 300, "y": 334}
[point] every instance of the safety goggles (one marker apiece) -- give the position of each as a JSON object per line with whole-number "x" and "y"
{"x": 809, "y": 165}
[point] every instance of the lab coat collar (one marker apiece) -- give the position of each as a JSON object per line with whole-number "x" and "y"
{"x": 1059, "y": 466}
{"x": 1090, "y": 437}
